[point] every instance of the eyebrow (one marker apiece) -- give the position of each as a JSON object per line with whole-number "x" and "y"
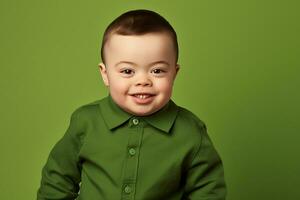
{"x": 153, "y": 63}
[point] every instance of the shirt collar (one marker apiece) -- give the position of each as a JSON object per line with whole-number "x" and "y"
{"x": 114, "y": 116}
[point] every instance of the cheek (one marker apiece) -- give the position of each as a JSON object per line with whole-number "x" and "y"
{"x": 118, "y": 86}
{"x": 165, "y": 85}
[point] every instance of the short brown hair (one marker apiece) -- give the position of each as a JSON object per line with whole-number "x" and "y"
{"x": 139, "y": 22}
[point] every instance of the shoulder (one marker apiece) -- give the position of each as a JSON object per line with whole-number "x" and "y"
{"x": 189, "y": 119}
{"x": 190, "y": 129}
{"x": 86, "y": 112}
{"x": 86, "y": 108}
{"x": 188, "y": 126}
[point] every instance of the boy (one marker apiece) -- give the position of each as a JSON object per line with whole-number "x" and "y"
{"x": 136, "y": 143}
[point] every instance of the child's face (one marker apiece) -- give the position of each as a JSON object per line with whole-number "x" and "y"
{"x": 140, "y": 71}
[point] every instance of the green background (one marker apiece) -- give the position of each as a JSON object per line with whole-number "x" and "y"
{"x": 239, "y": 74}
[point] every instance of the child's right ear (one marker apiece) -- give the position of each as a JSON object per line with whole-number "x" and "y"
{"x": 103, "y": 72}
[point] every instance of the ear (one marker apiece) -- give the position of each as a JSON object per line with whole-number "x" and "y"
{"x": 103, "y": 72}
{"x": 177, "y": 67}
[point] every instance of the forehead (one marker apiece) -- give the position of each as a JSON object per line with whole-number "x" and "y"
{"x": 140, "y": 48}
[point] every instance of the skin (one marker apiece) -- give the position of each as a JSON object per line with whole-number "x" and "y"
{"x": 140, "y": 71}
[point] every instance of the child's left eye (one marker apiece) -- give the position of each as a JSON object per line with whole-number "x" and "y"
{"x": 157, "y": 71}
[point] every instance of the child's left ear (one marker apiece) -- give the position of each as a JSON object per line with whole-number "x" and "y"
{"x": 103, "y": 72}
{"x": 177, "y": 67}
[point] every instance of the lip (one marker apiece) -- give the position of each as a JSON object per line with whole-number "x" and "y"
{"x": 142, "y": 98}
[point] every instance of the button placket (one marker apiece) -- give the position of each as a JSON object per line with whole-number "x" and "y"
{"x": 132, "y": 158}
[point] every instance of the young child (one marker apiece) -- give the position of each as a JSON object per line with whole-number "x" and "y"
{"x": 136, "y": 143}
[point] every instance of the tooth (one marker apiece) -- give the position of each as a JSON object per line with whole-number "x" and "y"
{"x": 142, "y": 96}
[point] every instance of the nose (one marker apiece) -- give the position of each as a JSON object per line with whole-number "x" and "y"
{"x": 143, "y": 80}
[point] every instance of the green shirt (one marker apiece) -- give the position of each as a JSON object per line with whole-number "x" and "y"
{"x": 109, "y": 154}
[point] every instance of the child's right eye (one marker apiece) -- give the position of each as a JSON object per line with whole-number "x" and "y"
{"x": 127, "y": 71}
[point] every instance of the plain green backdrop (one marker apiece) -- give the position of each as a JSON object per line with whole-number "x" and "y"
{"x": 239, "y": 73}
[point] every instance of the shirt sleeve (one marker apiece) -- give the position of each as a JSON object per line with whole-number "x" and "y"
{"x": 61, "y": 174}
{"x": 205, "y": 177}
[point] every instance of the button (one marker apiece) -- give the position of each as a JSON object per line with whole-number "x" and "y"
{"x": 135, "y": 121}
{"x": 127, "y": 189}
{"x": 132, "y": 151}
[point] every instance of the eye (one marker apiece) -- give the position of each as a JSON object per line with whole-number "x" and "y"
{"x": 127, "y": 71}
{"x": 157, "y": 71}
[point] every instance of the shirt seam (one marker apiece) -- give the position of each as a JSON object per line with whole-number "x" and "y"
{"x": 200, "y": 146}
{"x": 81, "y": 139}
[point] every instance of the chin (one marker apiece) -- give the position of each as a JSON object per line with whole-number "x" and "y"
{"x": 142, "y": 112}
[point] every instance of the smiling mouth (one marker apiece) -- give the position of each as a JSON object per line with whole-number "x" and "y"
{"x": 142, "y": 96}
